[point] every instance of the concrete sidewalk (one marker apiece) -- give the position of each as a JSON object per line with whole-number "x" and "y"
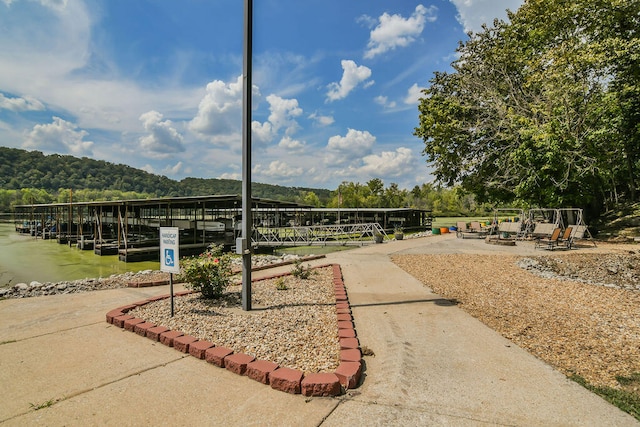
{"x": 433, "y": 364}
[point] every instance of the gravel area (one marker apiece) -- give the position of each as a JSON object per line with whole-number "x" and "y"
{"x": 578, "y": 312}
{"x": 294, "y": 327}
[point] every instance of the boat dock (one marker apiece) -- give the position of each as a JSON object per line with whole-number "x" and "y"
{"x": 130, "y": 228}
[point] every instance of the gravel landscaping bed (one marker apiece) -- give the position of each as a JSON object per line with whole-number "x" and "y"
{"x": 578, "y": 312}
{"x": 293, "y": 322}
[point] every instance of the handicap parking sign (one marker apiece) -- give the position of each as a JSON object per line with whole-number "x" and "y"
{"x": 169, "y": 259}
{"x": 169, "y": 249}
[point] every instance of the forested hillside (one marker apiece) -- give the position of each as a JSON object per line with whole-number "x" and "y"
{"x": 32, "y": 177}
{"x": 32, "y": 169}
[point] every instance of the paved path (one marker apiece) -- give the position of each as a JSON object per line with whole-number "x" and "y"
{"x": 433, "y": 364}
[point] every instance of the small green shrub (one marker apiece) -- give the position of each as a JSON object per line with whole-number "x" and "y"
{"x": 300, "y": 271}
{"x": 209, "y": 273}
{"x": 280, "y": 285}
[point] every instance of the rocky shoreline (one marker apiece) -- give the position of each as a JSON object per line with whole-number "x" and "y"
{"x": 129, "y": 279}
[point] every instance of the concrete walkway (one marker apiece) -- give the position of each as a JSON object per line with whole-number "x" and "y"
{"x": 433, "y": 364}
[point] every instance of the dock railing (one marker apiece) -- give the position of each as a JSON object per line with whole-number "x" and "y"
{"x": 319, "y": 235}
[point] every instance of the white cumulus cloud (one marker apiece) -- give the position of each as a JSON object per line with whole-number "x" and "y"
{"x": 220, "y": 111}
{"x": 344, "y": 149}
{"x": 163, "y": 139}
{"x": 282, "y": 113}
{"x": 473, "y": 13}
{"x": 282, "y": 116}
{"x": 292, "y": 145}
{"x": 395, "y": 31}
{"x": 231, "y": 175}
{"x": 352, "y": 76}
{"x": 60, "y": 136}
{"x": 413, "y": 94}
{"x": 389, "y": 163}
{"x": 278, "y": 169}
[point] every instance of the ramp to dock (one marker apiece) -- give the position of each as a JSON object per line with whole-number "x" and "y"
{"x": 319, "y": 235}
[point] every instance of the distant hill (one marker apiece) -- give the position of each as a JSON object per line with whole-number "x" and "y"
{"x": 32, "y": 169}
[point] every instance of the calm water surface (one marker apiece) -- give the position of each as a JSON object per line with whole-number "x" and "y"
{"x": 23, "y": 259}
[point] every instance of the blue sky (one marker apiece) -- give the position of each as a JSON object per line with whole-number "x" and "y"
{"x": 157, "y": 85}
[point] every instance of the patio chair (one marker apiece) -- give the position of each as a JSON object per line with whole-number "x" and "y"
{"x": 461, "y": 227}
{"x": 550, "y": 242}
{"x": 475, "y": 226}
{"x": 567, "y": 238}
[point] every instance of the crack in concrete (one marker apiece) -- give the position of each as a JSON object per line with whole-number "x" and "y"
{"x": 80, "y": 392}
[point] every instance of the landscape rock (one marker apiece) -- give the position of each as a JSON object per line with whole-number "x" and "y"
{"x": 615, "y": 270}
{"x": 21, "y": 287}
{"x": 35, "y": 288}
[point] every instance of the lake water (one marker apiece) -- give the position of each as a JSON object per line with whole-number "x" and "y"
{"x": 24, "y": 258}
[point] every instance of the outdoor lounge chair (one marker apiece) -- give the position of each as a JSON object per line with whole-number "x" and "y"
{"x": 567, "y": 238}
{"x": 461, "y": 227}
{"x": 474, "y": 231}
{"x": 550, "y": 242}
{"x": 476, "y": 227}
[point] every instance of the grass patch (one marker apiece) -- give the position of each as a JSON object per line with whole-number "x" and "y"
{"x": 42, "y": 405}
{"x": 7, "y": 342}
{"x": 633, "y": 379}
{"x": 626, "y": 400}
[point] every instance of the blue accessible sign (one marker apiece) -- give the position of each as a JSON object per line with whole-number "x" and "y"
{"x": 169, "y": 249}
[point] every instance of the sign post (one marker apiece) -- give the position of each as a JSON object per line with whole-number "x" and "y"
{"x": 243, "y": 245}
{"x": 170, "y": 254}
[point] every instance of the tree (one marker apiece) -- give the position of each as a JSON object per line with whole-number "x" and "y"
{"x": 393, "y": 196}
{"x": 311, "y": 199}
{"x": 532, "y": 109}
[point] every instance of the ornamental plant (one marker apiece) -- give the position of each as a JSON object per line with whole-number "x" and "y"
{"x": 300, "y": 271}
{"x": 209, "y": 273}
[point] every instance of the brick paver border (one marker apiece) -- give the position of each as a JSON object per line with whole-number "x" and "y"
{"x": 347, "y": 376}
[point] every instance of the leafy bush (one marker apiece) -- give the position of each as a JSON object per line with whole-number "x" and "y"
{"x": 209, "y": 273}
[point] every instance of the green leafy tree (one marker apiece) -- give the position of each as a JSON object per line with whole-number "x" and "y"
{"x": 312, "y": 199}
{"x": 533, "y": 109}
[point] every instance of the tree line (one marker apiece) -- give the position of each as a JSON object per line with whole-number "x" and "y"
{"x": 543, "y": 109}
{"x": 29, "y": 177}
{"x": 439, "y": 200}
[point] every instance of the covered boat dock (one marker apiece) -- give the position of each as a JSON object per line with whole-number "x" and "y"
{"x": 130, "y": 228}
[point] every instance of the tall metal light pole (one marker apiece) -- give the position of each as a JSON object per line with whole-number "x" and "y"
{"x": 247, "y": 220}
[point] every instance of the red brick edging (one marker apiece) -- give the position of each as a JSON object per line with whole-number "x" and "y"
{"x": 346, "y": 376}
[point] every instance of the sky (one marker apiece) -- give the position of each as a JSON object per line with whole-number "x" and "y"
{"x": 157, "y": 84}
